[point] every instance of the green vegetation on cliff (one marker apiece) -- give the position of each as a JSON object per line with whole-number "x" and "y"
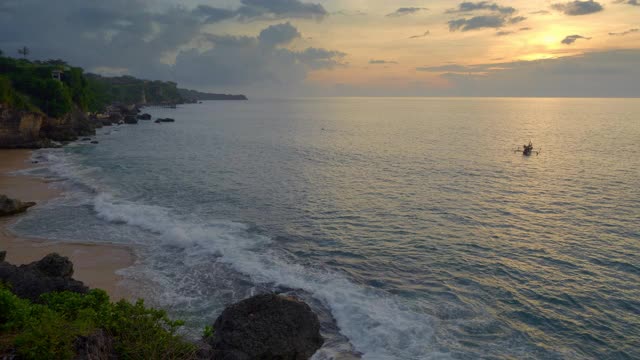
{"x": 10, "y": 97}
{"x": 35, "y": 86}
{"x": 130, "y": 90}
{"x": 31, "y": 86}
{"x": 54, "y": 88}
{"x": 52, "y": 328}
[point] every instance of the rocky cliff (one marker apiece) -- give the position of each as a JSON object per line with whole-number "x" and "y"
{"x": 68, "y": 127}
{"x": 25, "y": 129}
{"x": 20, "y": 129}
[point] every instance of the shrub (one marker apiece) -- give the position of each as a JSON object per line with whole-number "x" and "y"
{"x": 208, "y": 332}
{"x": 48, "y": 330}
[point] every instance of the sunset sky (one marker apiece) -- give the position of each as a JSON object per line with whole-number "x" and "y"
{"x": 344, "y": 47}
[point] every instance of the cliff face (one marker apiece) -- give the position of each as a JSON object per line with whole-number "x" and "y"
{"x": 68, "y": 127}
{"x": 24, "y": 129}
{"x": 20, "y": 129}
{"x": 193, "y": 95}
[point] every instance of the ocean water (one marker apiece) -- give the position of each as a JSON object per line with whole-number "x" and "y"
{"x": 408, "y": 224}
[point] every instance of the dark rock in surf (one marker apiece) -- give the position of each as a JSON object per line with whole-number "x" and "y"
{"x": 164, "y": 120}
{"x": 52, "y": 273}
{"x": 95, "y": 142}
{"x": 12, "y": 206}
{"x": 115, "y": 118}
{"x": 130, "y": 119}
{"x": 267, "y": 326}
{"x": 144, "y": 117}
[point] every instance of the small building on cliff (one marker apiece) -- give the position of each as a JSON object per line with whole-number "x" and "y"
{"x": 56, "y": 74}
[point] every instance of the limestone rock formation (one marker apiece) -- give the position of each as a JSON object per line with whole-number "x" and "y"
{"x": 20, "y": 129}
{"x": 68, "y": 127}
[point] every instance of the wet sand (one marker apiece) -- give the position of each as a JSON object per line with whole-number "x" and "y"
{"x": 94, "y": 264}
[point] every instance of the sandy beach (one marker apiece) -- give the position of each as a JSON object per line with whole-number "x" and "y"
{"x": 95, "y": 265}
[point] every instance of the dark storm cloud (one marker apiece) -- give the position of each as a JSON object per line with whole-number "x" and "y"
{"x": 482, "y": 5}
{"x": 517, "y": 19}
{"x": 6, "y": 6}
{"x": 576, "y": 8}
{"x": 504, "y": 33}
{"x": 498, "y": 16}
{"x": 630, "y": 31}
{"x": 406, "y": 11}
{"x": 572, "y": 38}
{"x": 128, "y": 36}
{"x": 244, "y": 61}
{"x": 628, "y": 2}
{"x": 426, "y": 33}
{"x": 595, "y": 74}
{"x": 213, "y": 14}
{"x": 280, "y": 9}
{"x": 263, "y": 9}
{"x": 540, "y": 12}
{"x": 381, "y": 62}
{"x": 477, "y": 22}
{"x": 317, "y": 58}
{"x": 349, "y": 13}
{"x": 451, "y": 68}
{"x": 278, "y": 34}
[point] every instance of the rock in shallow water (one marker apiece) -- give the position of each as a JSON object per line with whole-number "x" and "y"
{"x": 130, "y": 119}
{"x": 267, "y": 326}
{"x": 12, "y": 206}
{"x": 164, "y": 120}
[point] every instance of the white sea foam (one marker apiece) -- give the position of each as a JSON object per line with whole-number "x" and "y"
{"x": 377, "y": 325}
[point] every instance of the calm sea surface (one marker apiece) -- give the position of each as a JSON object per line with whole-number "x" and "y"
{"x": 408, "y": 224}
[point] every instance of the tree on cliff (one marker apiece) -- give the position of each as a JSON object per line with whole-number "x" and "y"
{"x": 24, "y": 51}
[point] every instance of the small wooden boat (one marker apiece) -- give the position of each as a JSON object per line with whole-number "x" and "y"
{"x": 528, "y": 150}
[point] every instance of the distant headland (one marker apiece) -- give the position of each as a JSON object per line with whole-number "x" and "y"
{"x": 44, "y": 102}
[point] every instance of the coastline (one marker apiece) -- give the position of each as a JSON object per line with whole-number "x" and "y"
{"x": 94, "y": 264}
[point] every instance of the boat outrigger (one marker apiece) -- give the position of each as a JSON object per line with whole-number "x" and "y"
{"x": 528, "y": 150}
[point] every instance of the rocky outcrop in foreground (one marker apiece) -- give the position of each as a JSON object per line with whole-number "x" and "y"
{"x": 267, "y": 326}
{"x": 52, "y": 273}
{"x": 12, "y": 206}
